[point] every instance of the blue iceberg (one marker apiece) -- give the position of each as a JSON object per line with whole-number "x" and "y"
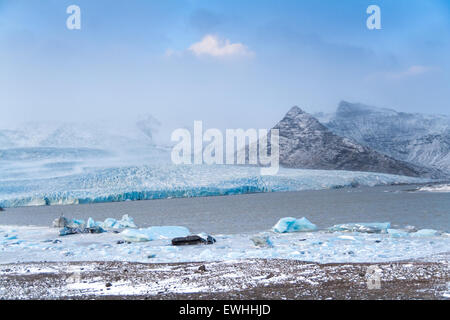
{"x": 290, "y": 224}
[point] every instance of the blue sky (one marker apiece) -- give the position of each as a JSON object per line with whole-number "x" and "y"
{"x": 229, "y": 63}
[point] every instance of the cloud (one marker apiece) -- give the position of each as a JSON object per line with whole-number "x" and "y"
{"x": 212, "y": 46}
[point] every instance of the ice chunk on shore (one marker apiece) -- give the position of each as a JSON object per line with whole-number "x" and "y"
{"x": 397, "y": 233}
{"x": 91, "y": 223}
{"x": 154, "y": 233}
{"x": 290, "y": 224}
{"x": 68, "y": 230}
{"x": 60, "y": 222}
{"x": 125, "y": 222}
{"x": 373, "y": 227}
{"x": 76, "y": 223}
{"x": 262, "y": 241}
{"x": 425, "y": 233}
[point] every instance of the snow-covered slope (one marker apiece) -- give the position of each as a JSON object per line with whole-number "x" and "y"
{"x": 306, "y": 143}
{"x": 416, "y": 138}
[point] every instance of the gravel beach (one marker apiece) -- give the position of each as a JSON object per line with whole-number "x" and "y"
{"x": 246, "y": 279}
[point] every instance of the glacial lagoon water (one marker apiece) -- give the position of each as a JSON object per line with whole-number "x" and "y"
{"x": 247, "y": 213}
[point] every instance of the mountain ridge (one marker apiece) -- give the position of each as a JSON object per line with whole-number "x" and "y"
{"x": 417, "y": 138}
{"x": 307, "y": 143}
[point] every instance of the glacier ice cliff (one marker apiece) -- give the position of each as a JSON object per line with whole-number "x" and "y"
{"x": 148, "y": 182}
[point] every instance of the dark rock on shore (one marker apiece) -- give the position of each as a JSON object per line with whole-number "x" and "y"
{"x": 192, "y": 240}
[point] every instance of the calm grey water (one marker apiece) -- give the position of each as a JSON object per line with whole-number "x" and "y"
{"x": 257, "y": 212}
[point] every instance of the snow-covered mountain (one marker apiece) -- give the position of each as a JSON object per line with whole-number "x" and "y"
{"x": 417, "y": 138}
{"x": 306, "y": 143}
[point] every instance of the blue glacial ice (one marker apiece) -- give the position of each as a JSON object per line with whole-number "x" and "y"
{"x": 111, "y": 223}
{"x": 290, "y": 224}
{"x": 108, "y": 224}
{"x": 117, "y": 182}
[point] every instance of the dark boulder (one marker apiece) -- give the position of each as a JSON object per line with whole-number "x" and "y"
{"x": 192, "y": 240}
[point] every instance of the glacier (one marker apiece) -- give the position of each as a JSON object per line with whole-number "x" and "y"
{"x": 75, "y": 164}
{"x": 62, "y": 164}
{"x": 92, "y": 184}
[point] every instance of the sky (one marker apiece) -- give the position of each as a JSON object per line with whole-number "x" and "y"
{"x": 232, "y": 64}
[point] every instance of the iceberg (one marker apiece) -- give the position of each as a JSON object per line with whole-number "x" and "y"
{"x": 397, "y": 233}
{"x": 109, "y": 223}
{"x": 80, "y": 230}
{"x": 262, "y": 241}
{"x": 76, "y": 223}
{"x": 425, "y": 233}
{"x": 76, "y": 226}
{"x": 373, "y": 227}
{"x": 60, "y": 222}
{"x": 125, "y": 222}
{"x": 91, "y": 223}
{"x": 154, "y": 233}
{"x": 290, "y": 224}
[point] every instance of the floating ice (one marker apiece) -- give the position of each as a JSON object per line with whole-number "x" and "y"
{"x": 154, "y": 233}
{"x": 374, "y": 227}
{"x": 290, "y": 224}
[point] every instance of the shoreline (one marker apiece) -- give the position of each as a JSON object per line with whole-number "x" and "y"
{"x": 240, "y": 279}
